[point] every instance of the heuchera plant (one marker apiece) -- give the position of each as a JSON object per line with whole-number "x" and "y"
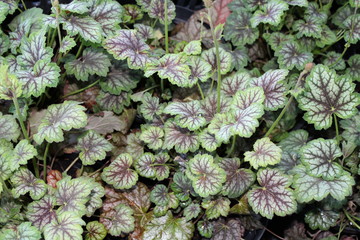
{"x": 247, "y": 108}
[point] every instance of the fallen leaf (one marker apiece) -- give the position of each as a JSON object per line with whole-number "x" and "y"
{"x": 53, "y": 177}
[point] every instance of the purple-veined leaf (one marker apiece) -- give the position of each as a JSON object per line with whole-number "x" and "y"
{"x": 273, "y": 196}
{"x": 152, "y": 136}
{"x": 354, "y": 67}
{"x": 151, "y": 166}
{"x": 113, "y": 102}
{"x": 351, "y": 128}
{"x": 24, "y": 181}
{"x": 95, "y": 231}
{"x": 12, "y": 4}
{"x": 4, "y": 43}
{"x": 341, "y": 15}
{"x": 289, "y": 160}
{"x": 274, "y": 88}
{"x": 252, "y": 5}
{"x": 182, "y": 187}
{"x": 76, "y": 6}
{"x": 72, "y": 194}
{"x": 216, "y": 208}
{"x": 206, "y": 176}
{"x": 161, "y": 170}
{"x": 34, "y": 49}
{"x": 119, "y": 174}
{"x": 150, "y": 106}
{"x": 4, "y": 10}
{"x": 119, "y": 80}
{"x": 10, "y": 210}
{"x": 307, "y": 44}
{"x": 308, "y": 29}
{"x": 21, "y": 232}
{"x": 238, "y": 180}
{"x": 265, "y": 153}
{"x": 328, "y": 37}
{"x": 209, "y": 106}
{"x": 159, "y": 195}
{"x": 67, "y": 44}
{"x": 192, "y": 211}
{"x": 172, "y": 67}
{"x": 240, "y": 57}
{"x": 294, "y": 141}
{"x": 318, "y": 156}
{"x": 208, "y": 141}
{"x": 327, "y": 94}
{"x": 145, "y": 4}
{"x": 132, "y": 13}
{"x": 222, "y": 126}
{"x": 271, "y": 13}
{"x": 200, "y": 70}
{"x": 134, "y": 146}
{"x": 92, "y": 147}
{"x": 193, "y": 48}
{"x": 95, "y": 202}
{"x": 144, "y": 31}
{"x": 91, "y": 62}
{"x": 321, "y": 219}
{"x": 18, "y": 34}
{"x": 290, "y": 55}
{"x": 9, "y": 129}
{"x": 128, "y": 45}
{"x": 334, "y": 61}
{"x": 235, "y": 82}
{"x": 205, "y": 228}
{"x": 65, "y": 226}
{"x": 38, "y": 78}
{"x": 12, "y": 62}
{"x": 238, "y": 28}
{"x": 5, "y": 162}
{"x": 225, "y": 59}
{"x": 232, "y": 229}
{"x": 300, "y": 3}
{"x": 41, "y": 212}
{"x": 353, "y": 24}
{"x": 188, "y": 114}
{"x": 118, "y": 220}
{"x": 244, "y": 99}
{"x": 308, "y": 188}
{"x": 183, "y": 140}
{"x": 168, "y": 228}
{"x": 59, "y": 117}
{"x": 314, "y": 13}
{"x": 23, "y": 152}
{"x": 157, "y": 10}
{"x": 108, "y": 13}
{"x": 85, "y": 26}
{"x": 275, "y": 39}
{"x": 106, "y": 123}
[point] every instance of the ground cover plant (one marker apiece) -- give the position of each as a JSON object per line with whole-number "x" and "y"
{"x": 117, "y": 122}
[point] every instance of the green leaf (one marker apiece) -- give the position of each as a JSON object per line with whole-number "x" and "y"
{"x": 9, "y": 129}
{"x": 119, "y": 80}
{"x": 168, "y": 228}
{"x": 24, "y": 231}
{"x": 208, "y": 141}
{"x": 265, "y": 153}
{"x": 274, "y": 88}
{"x": 119, "y": 174}
{"x": 225, "y": 59}
{"x": 145, "y": 32}
{"x": 193, "y": 48}
{"x": 157, "y": 10}
{"x": 159, "y": 195}
{"x": 308, "y": 29}
{"x": 192, "y": 211}
{"x": 42, "y": 212}
{"x": 341, "y": 15}
{"x": 355, "y": 3}
{"x": 238, "y": 28}
{"x": 4, "y": 43}
{"x": 113, "y": 102}
{"x": 183, "y": 140}
{"x": 354, "y": 67}
{"x": 10, "y": 86}
{"x": 351, "y": 128}
{"x": 75, "y": 6}
{"x": 24, "y": 181}
{"x": 238, "y": 180}
{"x": 85, "y": 26}
{"x": 327, "y": 94}
{"x": 206, "y": 176}
{"x": 67, "y": 44}
{"x": 328, "y": 37}
{"x": 182, "y": 187}
{"x": 91, "y": 62}
{"x": 152, "y": 136}
{"x": 200, "y": 70}
{"x": 314, "y": 13}
{"x": 95, "y": 231}
{"x": 308, "y": 188}
{"x": 235, "y": 82}
{"x": 92, "y": 147}
{"x": 205, "y": 228}
{"x": 294, "y": 141}
{"x": 319, "y": 155}
{"x": 216, "y": 208}
{"x": 108, "y": 13}
{"x": 38, "y": 78}
{"x": 4, "y": 10}
{"x": 65, "y": 226}
{"x": 209, "y": 105}
{"x": 273, "y": 196}
{"x": 301, "y": 3}
{"x": 222, "y": 126}
{"x": 95, "y": 202}
{"x": 150, "y": 106}
{"x": 321, "y": 219}
{"x": 59, "y": 118}
{"x": 290, "y": 55}
{"x": 270, "y": 13}
{"x": 128, "y": 45}
{"x": 231, "y": 229}
{"x": 20, "y": 32}
{"x": 353, "y": 24}
{"x": 334, "y": 61}
{"x": 172, "y": 67}
{"x": 276, "y": 39}
{"x": 119, "y": 220}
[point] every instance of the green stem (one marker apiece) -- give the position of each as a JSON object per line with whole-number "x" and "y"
{"x": 82, "y": 89}
{"x": 337, "y": 130}
{"x": 45, "y": 156}
{"x": 79, "y": 50}
{"x": 5, "y": 186}
{"x": 232, "y": 146}
{"x": 166, "y": 37}
{"x": 22, "y": 1}
{"x": 71, "y": 164}
{"x": 350, "y": 219}
{"x": 22, "y": 125}
{"x": 52, "y": 38}
{"x": 347, "y": 45}
{"x": 200, "y": 91}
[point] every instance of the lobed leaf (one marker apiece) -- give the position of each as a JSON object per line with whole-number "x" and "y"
{"x": 321, "y": 219}
{"x": 216, "y": 208}
{"x": 119, "y": 80}
{"x": 225, "y": 59}
{"x": 235, "y": 82}
{"x": 85, "y": 26}
{"x": 192, "y": 211}
{"x": 183, "y": 140}
{"x": 10, "y": 86}
{"x": 42, "y": 212}
{"x": 21, "y": 232}
{"x": 9, "y": 129}
{"x": 152, "y": 136}
{"x": 24, "y": 181}
{"x": 95, "y": 231}
{"x": 231, "y": 229}
{"x": 270, "y": 13}
{"x": 156, "y": 9}
{"x": 65, "y": 226}
{"x": 290, "y": 55}
{"x": 113, "y": 102}
{"x": 354, "y": 67}
{"x": 119, "y": 220}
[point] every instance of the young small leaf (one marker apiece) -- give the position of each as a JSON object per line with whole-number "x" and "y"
{"x": 119, "y": 80}
{"x": 351, "y": 128}
{"x": 321, "y": 219}
{"x": 354, "y": 67}
{"x": 225, "y": 59}
{"x": 157, "y": 10}
{"x": 353, "y": 24}
{"x": 95, "y": 231}
{"x": 182, "y": 186}
{"x": 334, "y": 60}
{"x": 152, "y": 136}
{"x": 208, "y": 141}
{"x": 216, "y": 208}
{"x": 192, "y": 211}
{"x": 67, "y": 44}
{"x": 9, "y": 129}
{"x": 235, "y": 82}
{"x": 10, "y": 86}
{"x": 231, "y": 229}
{"x": 159, "y": 195}
{"x": 113, "y": 102}
{"x": 200, "y": 70}
{"x": 150, "y": 106}
{"x": 270, "y": 13}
